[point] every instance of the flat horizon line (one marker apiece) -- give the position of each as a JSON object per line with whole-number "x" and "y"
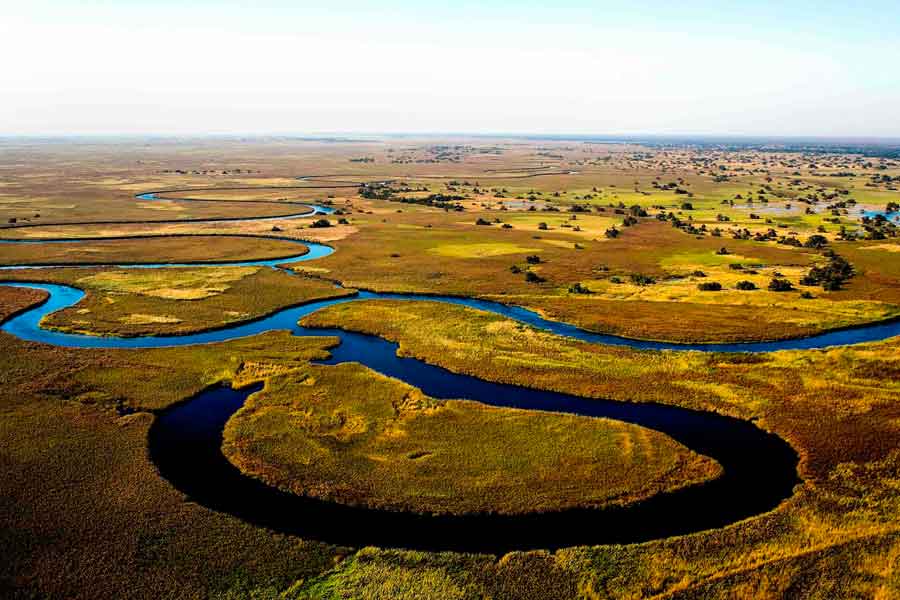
{"x": 350, "y": 136}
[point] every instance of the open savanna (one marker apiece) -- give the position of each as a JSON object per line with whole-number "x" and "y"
{"x": 420, "y": 249}
{"x": 174, "y": 300}
{"x": 348, "y": 434}
{"x": 152, "y": 249}
{"x": 401, "y": 247}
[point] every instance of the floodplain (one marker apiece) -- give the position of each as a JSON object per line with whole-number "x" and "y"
{"x": 688, "y": 243}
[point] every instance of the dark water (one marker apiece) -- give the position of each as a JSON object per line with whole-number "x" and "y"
{"x": 759, "y": 471}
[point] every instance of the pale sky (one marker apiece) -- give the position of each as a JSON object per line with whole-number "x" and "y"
{"x": 273, "y": 66}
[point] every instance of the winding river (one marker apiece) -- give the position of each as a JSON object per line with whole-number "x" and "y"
{"x": 759, "y": 468}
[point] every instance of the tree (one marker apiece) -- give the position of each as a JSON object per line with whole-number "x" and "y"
{"x": 321, "y": 223}
{"x": 577, "y": 288}
{"x": 641, "y": 279}
{"x": 816, "y": 241}
{"x": 745, "y": 285}
{"x": 780, "y": 285}
{"x": 709, "y": 286}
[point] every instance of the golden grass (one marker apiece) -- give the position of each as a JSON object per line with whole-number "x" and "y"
{"x": 479, "y": 250}
{"x": 175, "y": 300}
{"x": 179, "y": 284}
{"x": 348, "y": 434}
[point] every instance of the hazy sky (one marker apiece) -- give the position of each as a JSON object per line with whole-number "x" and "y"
{"x": 269, "y": 66}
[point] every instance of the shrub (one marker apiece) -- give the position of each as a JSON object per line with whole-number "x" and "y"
{"x": 709, "y": 286}
{"x": 481, "y": 221}
{"x": 321, "y": 223}
{"x": 816, "y": 241}
{"x": 780, "y": 285}
{"x": 611, "y": 233}
{"x": 831, "y": 276}
{"x": 698, "y": 274}
{"x": 533, "y": 259}
{"x": 722, "y": 251}
{"x": 640, "y": 279}
{"x": 532, "y": 277}
{"x": 745, "y": 285}
{"x": 637, "y": 211}
{"x": 543, "y": 226}
{"x": 577, "y": 288}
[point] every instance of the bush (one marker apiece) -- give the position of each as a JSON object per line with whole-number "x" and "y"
{"x": 816, "y": 241}
{"x": 533, "y": 259}
{"x": 698, "y": 274}
{"x": 640, "y": 279}
{"x": 611, "y": 233}
{"x": 532, "y": 277}
{"x": 831, "y": 276}
{"x": 780, "y": 285}
{"x": 481, "y": 221}
{"x": 321, "y": 223}
{"x": 543, "y": 226}
{"x": 722, "y": 251}
{"x": 577, "y": 288}
{"x": 745, "y": 285}
{"x": 709, "y": 286}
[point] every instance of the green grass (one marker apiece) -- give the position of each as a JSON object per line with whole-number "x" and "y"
{"x": 348, "y": 434}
